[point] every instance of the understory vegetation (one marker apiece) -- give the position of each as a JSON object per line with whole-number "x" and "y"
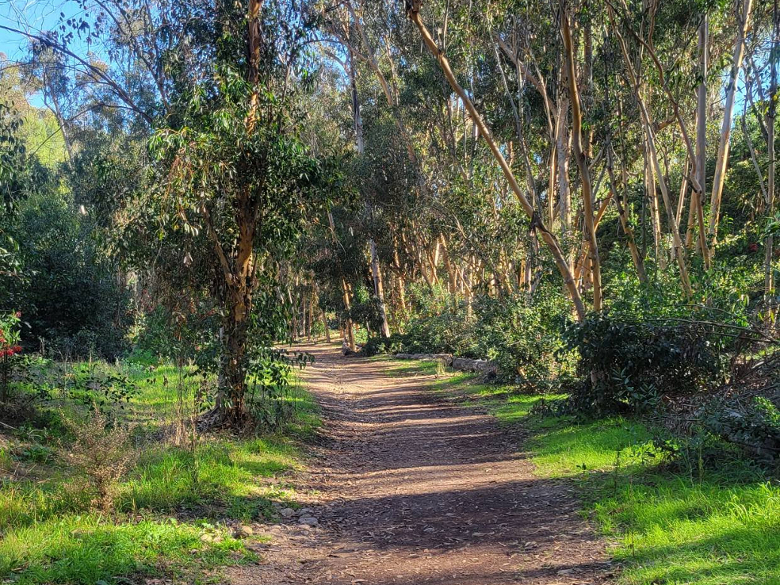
{"x": 110, "y": 478}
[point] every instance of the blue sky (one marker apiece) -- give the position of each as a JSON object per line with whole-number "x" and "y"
{"x": 38, "y": 15}
{"x": 35, "y": 16}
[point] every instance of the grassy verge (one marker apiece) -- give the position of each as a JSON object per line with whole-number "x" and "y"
{"x": 174, "y": 511}
{"x": 688, "y": 523}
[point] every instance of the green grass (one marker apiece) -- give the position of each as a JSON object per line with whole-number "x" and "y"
{"x": 402, "y": 369}
{"x": 673, "y": 525}
{"x": 171, "y": 511}
{"x": 89, "y": 548}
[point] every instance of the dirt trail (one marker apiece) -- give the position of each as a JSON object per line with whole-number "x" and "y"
{"x": 413, "y": 489}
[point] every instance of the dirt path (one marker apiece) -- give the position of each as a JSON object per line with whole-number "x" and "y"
{"x": 414, "y": 489}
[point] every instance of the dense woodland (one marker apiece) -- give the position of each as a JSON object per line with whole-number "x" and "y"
{"x": 582, "y": 192}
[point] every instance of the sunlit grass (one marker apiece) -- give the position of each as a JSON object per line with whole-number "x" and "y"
{"x": 403, "y": 368}
{"x": 708, "y": 525}
{"x": 89, "y": 548}
{"x": 170, "y": 510}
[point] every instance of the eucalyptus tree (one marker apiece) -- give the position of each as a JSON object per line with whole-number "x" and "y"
{"x": 235, "y": 179}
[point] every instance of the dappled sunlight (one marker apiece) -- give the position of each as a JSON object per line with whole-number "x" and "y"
{"x": 426, "y": 490}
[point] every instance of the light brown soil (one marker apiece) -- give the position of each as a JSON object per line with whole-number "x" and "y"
{"x": 411, "y": 488}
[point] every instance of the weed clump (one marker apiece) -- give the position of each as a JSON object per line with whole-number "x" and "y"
{"x": 101, "y": 451}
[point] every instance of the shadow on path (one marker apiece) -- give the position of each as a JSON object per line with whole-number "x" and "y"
{"x": 416, "y": 489}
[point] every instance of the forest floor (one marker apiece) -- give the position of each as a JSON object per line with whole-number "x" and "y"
{"x": 412, "y": 486}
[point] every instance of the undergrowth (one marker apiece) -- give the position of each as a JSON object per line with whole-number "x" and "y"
{"x": 171, "y": 513}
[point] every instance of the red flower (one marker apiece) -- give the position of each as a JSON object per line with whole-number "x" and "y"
{"x": 18, "y": 314}
{"x": 753, "y": 247}
{"x": 17, "y": 348}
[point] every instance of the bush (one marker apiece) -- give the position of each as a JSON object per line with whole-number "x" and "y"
{"x": 269, "y": 386}
{"x": 75, "y": 300}
{"x": 102, "y": 453}
{"x": 380, "y": 345}
{"x": 627, "y": 366}
{"x": 522, "y": 336}
{"x": 446, "y": 332}
{"x": 9, "y": 351}
{"x": 754, "y": 427}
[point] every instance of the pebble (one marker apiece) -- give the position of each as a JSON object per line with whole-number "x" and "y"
{"x": 243, "y": 531}
{"x": 308, "y": 521}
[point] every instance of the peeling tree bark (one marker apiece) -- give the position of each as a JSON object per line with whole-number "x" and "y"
{"x": 582, "y": 164}
{"x": 722, "y": 161}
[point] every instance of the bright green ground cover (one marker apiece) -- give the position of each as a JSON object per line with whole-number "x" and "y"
{"x": 169, "y": 521}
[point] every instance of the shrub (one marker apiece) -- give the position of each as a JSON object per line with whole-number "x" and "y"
{"x": 445, "y": 332}
{"x": 522, "y": 336}
{"x": 755, "y": 427}
{"x": 73, "y": 301}
{"x": 9, "y": 351}
{"x": 96, "y": 384}
{"x": 101, "y": 451}
{"x": 269, "y": 386}
{"x": 380, "y": 345}
{"x": 629, "y": 365}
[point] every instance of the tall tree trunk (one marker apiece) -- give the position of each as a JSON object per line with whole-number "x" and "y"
{"x": 562, "y": 150}
{"x": 293, "y": 317}
{"x": 467, "y": 288}
{"x": 324, "y": 317}
{"x": 582, "y": 164}
{"x": 401, "y": 281}
{"x": 452, "y": 276}
{"x": 536, "y": 221}
{"x": 651, "y": 191}
{"x": 721, "y": 163}
{"x": 379, "y": 290}
{"x": 233, "y": 374}
{"x": 551, "y": 187}
{"x": 239, "y": 275}
{"x": 769, "y": 285}
{"x": 309, "y": 321}
{"x": 701, "y": 136}
{"x": 683, "y": 192}
{"x": 349, "y": 325}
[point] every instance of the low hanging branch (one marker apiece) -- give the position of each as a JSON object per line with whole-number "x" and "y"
{"x": 413, "y": 13}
